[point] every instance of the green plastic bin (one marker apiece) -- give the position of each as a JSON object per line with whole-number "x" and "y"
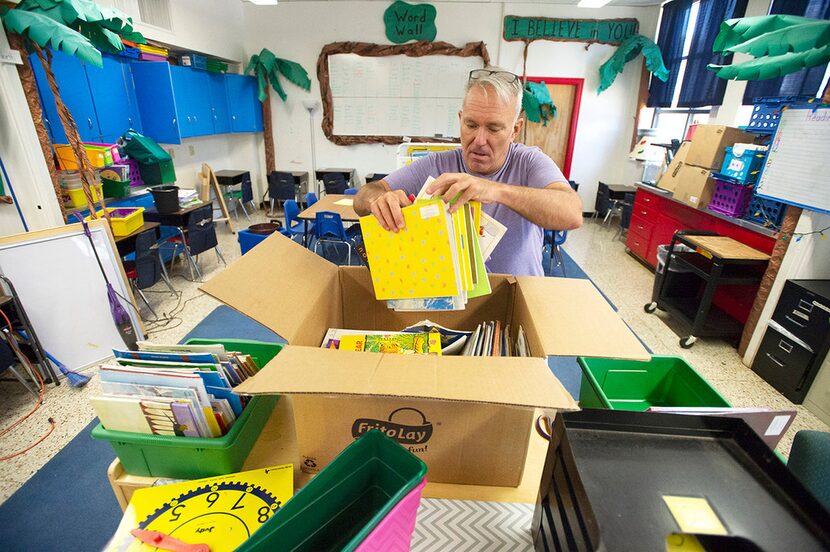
{"x": 154, "y": 164}
{"x": 632, "y": 385}
{"x": 344, "y": 502}
{"x": 115, "y": 188}
{"x": 197, "y": 457}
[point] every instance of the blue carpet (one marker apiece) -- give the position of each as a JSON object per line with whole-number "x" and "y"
{"x": 69, "y": 504}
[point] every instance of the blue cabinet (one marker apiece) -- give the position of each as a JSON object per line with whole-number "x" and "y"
{"x": 243, "y": 103}
{"x": 219, "y": 104}
{"x": 114, "y": 98}
{"x": 156, "y": 101}
{"x": 191, "y": 90}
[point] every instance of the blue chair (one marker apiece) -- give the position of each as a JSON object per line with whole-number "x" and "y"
{"x": 310, "y": 199}
{"x": 328, "y": 227}
{"x": 351, "y": 191}
{"x": 293, "y": 225}
{"x": 810, "y": 462}
{"x": 555, "y": 238}
{"x": 335, "y": 183}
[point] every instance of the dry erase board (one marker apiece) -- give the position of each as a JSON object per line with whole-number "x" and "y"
{"x": 796, "y": 171}
{"x": 60, "y": 285}
{"x": 382, "y": 93}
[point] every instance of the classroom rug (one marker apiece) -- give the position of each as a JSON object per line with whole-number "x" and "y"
{"x": 69, "y": 504}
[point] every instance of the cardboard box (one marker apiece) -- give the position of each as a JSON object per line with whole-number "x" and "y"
{"x": 468, "y": 418}
{"x": 708, "y": 144}
{"x": 669, "y": 179}
{"x": 695, "y": 186}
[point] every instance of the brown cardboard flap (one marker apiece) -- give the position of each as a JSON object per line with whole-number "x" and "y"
{"x": 571, "y": 318}
{"x": 514, "y": 381}
{"x": 283, "y": 286}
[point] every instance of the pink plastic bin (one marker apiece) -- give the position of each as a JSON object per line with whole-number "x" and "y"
{"x": 394, "y": 532}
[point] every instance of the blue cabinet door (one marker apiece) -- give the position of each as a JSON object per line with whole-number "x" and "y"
{"x": 183, "y": 88}
{"x": 245, "y": 108}
{"x": 134, "y": 114}
{"x": 200, "y": 102}
{"x": 219, "y": 104}
{"x": 111, "y": 98}
{"x": 156, "y": 101}
{"x": 74, "y": 90}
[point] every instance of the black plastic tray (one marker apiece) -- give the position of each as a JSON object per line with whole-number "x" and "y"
{"x": 607, "y": 471}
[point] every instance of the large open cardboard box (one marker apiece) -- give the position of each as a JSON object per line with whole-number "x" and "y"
{"x": 468, "y": 418}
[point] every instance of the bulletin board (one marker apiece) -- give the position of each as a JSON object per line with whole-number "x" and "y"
{"x": 796, "y": 171}
{"x": 378, "y": 93}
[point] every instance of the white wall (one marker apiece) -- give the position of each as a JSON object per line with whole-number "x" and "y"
{"x": 299, "y": 30}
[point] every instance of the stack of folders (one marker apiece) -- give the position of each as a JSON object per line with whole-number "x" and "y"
{"x": 181, "y": 390}
{"x": 437, "y": 261}
{"x": 494, "y": 339}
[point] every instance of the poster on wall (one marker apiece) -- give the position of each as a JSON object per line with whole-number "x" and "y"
{"x": 405, "y": 22}
{"x": 601, "y": 31}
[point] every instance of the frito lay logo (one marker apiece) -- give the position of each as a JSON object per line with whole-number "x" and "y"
{"x": 417, "y": 431}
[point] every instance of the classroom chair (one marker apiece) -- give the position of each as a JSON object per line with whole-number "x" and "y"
{"x": 334, "y": 183}
{"x": 281, "y": 187}
{"x": 627, "y": 208}
{"x": 293, "y": 225}
{"x": 350, "y": 191}
{"x": 199, "y": 237}
{"x": 328, "y": 227}
{"x": 809, "y": 461}
{"x": 147, "y": 268}
{"x": 310, "y": 199}
{"x": 555, "y": 238}
{"x": 245, "y": 194}
{"x": 8, "y": 359}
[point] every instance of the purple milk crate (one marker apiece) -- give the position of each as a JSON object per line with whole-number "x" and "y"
{"x": 135, "y": 174}
{"x": 731, "y": 197}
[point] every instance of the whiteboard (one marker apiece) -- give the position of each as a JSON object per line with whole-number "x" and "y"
{"x": 796, "y": 171}
{"x": 398, "y": 95}
{"x": 63, "y": 292}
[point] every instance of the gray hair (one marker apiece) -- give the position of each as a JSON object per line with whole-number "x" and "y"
{"x": 499, "y": 80}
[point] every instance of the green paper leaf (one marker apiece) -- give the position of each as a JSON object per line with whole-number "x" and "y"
{"x": 262, "y": 81}
{"x": 101, "y": 38}
{"x": 254, "y": 61}
{"x": 268, "y": 60}
{"x": 770, "y": 67}
{"x": 540, "y": 106}
{"x": 273, "y": 76}
{"x": 737, "y": 31}
{"x": 45, "y": 31}
{"x": 295, "y": 73}
{"x": 797, "y": 38}
{"x": 629, "y": 49}
{"x": 531, "y": 107}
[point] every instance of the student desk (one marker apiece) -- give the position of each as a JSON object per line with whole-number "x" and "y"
{"x": 179, "y": 218}
{"x": 618, "y": 191}
{"x": 328, "y": 203}
{"x": 277, "y": 445}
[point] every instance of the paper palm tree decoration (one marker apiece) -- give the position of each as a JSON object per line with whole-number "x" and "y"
{"x": 267, "y": 67}
{"x": 79, "y": 28}
{"x": 780, "y": 44}
{"x": 537, "y": 103}
{"x": 629, "y": 49}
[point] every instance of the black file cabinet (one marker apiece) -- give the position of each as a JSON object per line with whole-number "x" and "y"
{"x": 797, "y": 338}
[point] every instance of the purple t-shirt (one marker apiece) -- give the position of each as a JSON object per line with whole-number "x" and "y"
{"x": 520, "y": 250}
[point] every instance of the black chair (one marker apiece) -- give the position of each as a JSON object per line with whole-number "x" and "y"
{"x": 603, "y": 202}
{"x": 281, "y": 187}
{"x": 574, "y": 185}
{"x": 244, "y": 195}
{"x": 199, "y": 237}
{"x": 334, "y": 183}
{"x": 374, "y": 177}
{"x": 627, "y": 205}
{"x": 8, "y": 360}
{"x": 147, "y": 268}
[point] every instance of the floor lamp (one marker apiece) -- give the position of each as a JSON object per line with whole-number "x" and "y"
{"x": 311, "y": 107}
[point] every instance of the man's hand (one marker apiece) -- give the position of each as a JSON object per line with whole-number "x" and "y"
{"x": 465, "y": 188}
{"x": 387, "y": 209}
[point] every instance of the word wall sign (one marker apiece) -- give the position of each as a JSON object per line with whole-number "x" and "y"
{"x": 405, "y": 22}
{"x": 602, "y": 31}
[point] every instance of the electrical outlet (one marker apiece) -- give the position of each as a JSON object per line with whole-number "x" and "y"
{"x": 191, "y": 150}
{"x": 172, "y": 152}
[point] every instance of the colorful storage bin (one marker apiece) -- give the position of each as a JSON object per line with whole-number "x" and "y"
{"x": 767, "y": 112}
{"x": 743, "y": 163}
{"x": 632, "y": 385}
{"x": 730, "y": 198}
{"x": 193, "y": 60}
{"x": 115, "y": 188}
{"x": 765, "y": 211}
{"x": 76, "y": 196}
{"x": 123, "y": 220}
{"x": 349, "y": 499}
{"x": 99, "y": 156}
{"x": 196, "y": 457}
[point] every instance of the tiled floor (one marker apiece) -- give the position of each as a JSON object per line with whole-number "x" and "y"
{"x": 625, "y": 281}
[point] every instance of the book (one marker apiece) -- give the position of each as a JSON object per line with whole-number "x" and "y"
{"x": 139, "y": 415}
{"x": 205, "y": 358}
{"x": 470, "y": 347}
{"x": 452, "y": 341}
{"x": 137, "y": 390}
{"x": 393, "y": 343}
{"x": 213, "y": 348}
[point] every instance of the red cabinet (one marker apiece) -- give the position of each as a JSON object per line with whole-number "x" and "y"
{"x": 654, "y": 220}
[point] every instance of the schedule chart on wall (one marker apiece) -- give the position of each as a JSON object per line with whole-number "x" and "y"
{"x": 398, "y": 95}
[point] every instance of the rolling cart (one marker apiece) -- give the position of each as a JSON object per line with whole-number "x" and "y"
{"x": 704, "y": 261}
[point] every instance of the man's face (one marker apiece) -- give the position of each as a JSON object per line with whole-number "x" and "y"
{"x": 487, "y": 130}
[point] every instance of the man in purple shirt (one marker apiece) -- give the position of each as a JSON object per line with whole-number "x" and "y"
{"x": 519, "y": 186}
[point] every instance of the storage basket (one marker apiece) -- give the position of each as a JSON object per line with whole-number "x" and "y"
{"x": 123, "y": 220}
{"x": 730, "y": 197}
{"x": 195, "y": 61}
{"x": 765, "y": 211}
{"x": 196, "y": 457}
{"x": 743, "y": 164}
{"x": 767, "y": 112}
{"x": 115, "y": 188}
{"x": 347, "y": 500}
{"x": 632, "y": 385}
{"x": 99, "y": 156}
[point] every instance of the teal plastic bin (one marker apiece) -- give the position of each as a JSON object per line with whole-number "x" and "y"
{"x": 341, "y": 506}
{"x": 632, "y": 385}
{"x": 197, "y": 457}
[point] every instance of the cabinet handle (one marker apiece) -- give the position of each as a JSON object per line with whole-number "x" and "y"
{"x": 644, "y": 213}
{"x": 786, "y": 347}
{"x": 189, "y": 119}
{"x": 806, "y": 306}
{"x": 775, "y": 360}
{"x": 647, "y": 199}
{"x": 794, "y": 321}
{"x": 233, "y": 117}
{"x": 130, "y": 121}
{"x": 195, "y": 120}
{"x": 89, "y": 122}
{"x": 174, "y": 121}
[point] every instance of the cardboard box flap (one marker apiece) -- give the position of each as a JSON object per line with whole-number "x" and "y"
{"x": 514, "y": 381}
{"x": 282, "y": 285}
{"x": 571, "y": 318}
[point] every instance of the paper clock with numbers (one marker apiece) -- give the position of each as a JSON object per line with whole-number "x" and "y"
{"x": 221, "y": 512}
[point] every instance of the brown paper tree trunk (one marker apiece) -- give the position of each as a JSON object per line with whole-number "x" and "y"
{"x": 268, "y": 134}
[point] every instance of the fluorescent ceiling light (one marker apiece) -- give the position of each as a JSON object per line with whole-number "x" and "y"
{"x": 592, "y": 3}
{"x": 263, "y": 2}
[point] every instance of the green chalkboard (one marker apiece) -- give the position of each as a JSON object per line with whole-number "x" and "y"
{"x": 604, "y": 31}
{"x": 405, "y": 22}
